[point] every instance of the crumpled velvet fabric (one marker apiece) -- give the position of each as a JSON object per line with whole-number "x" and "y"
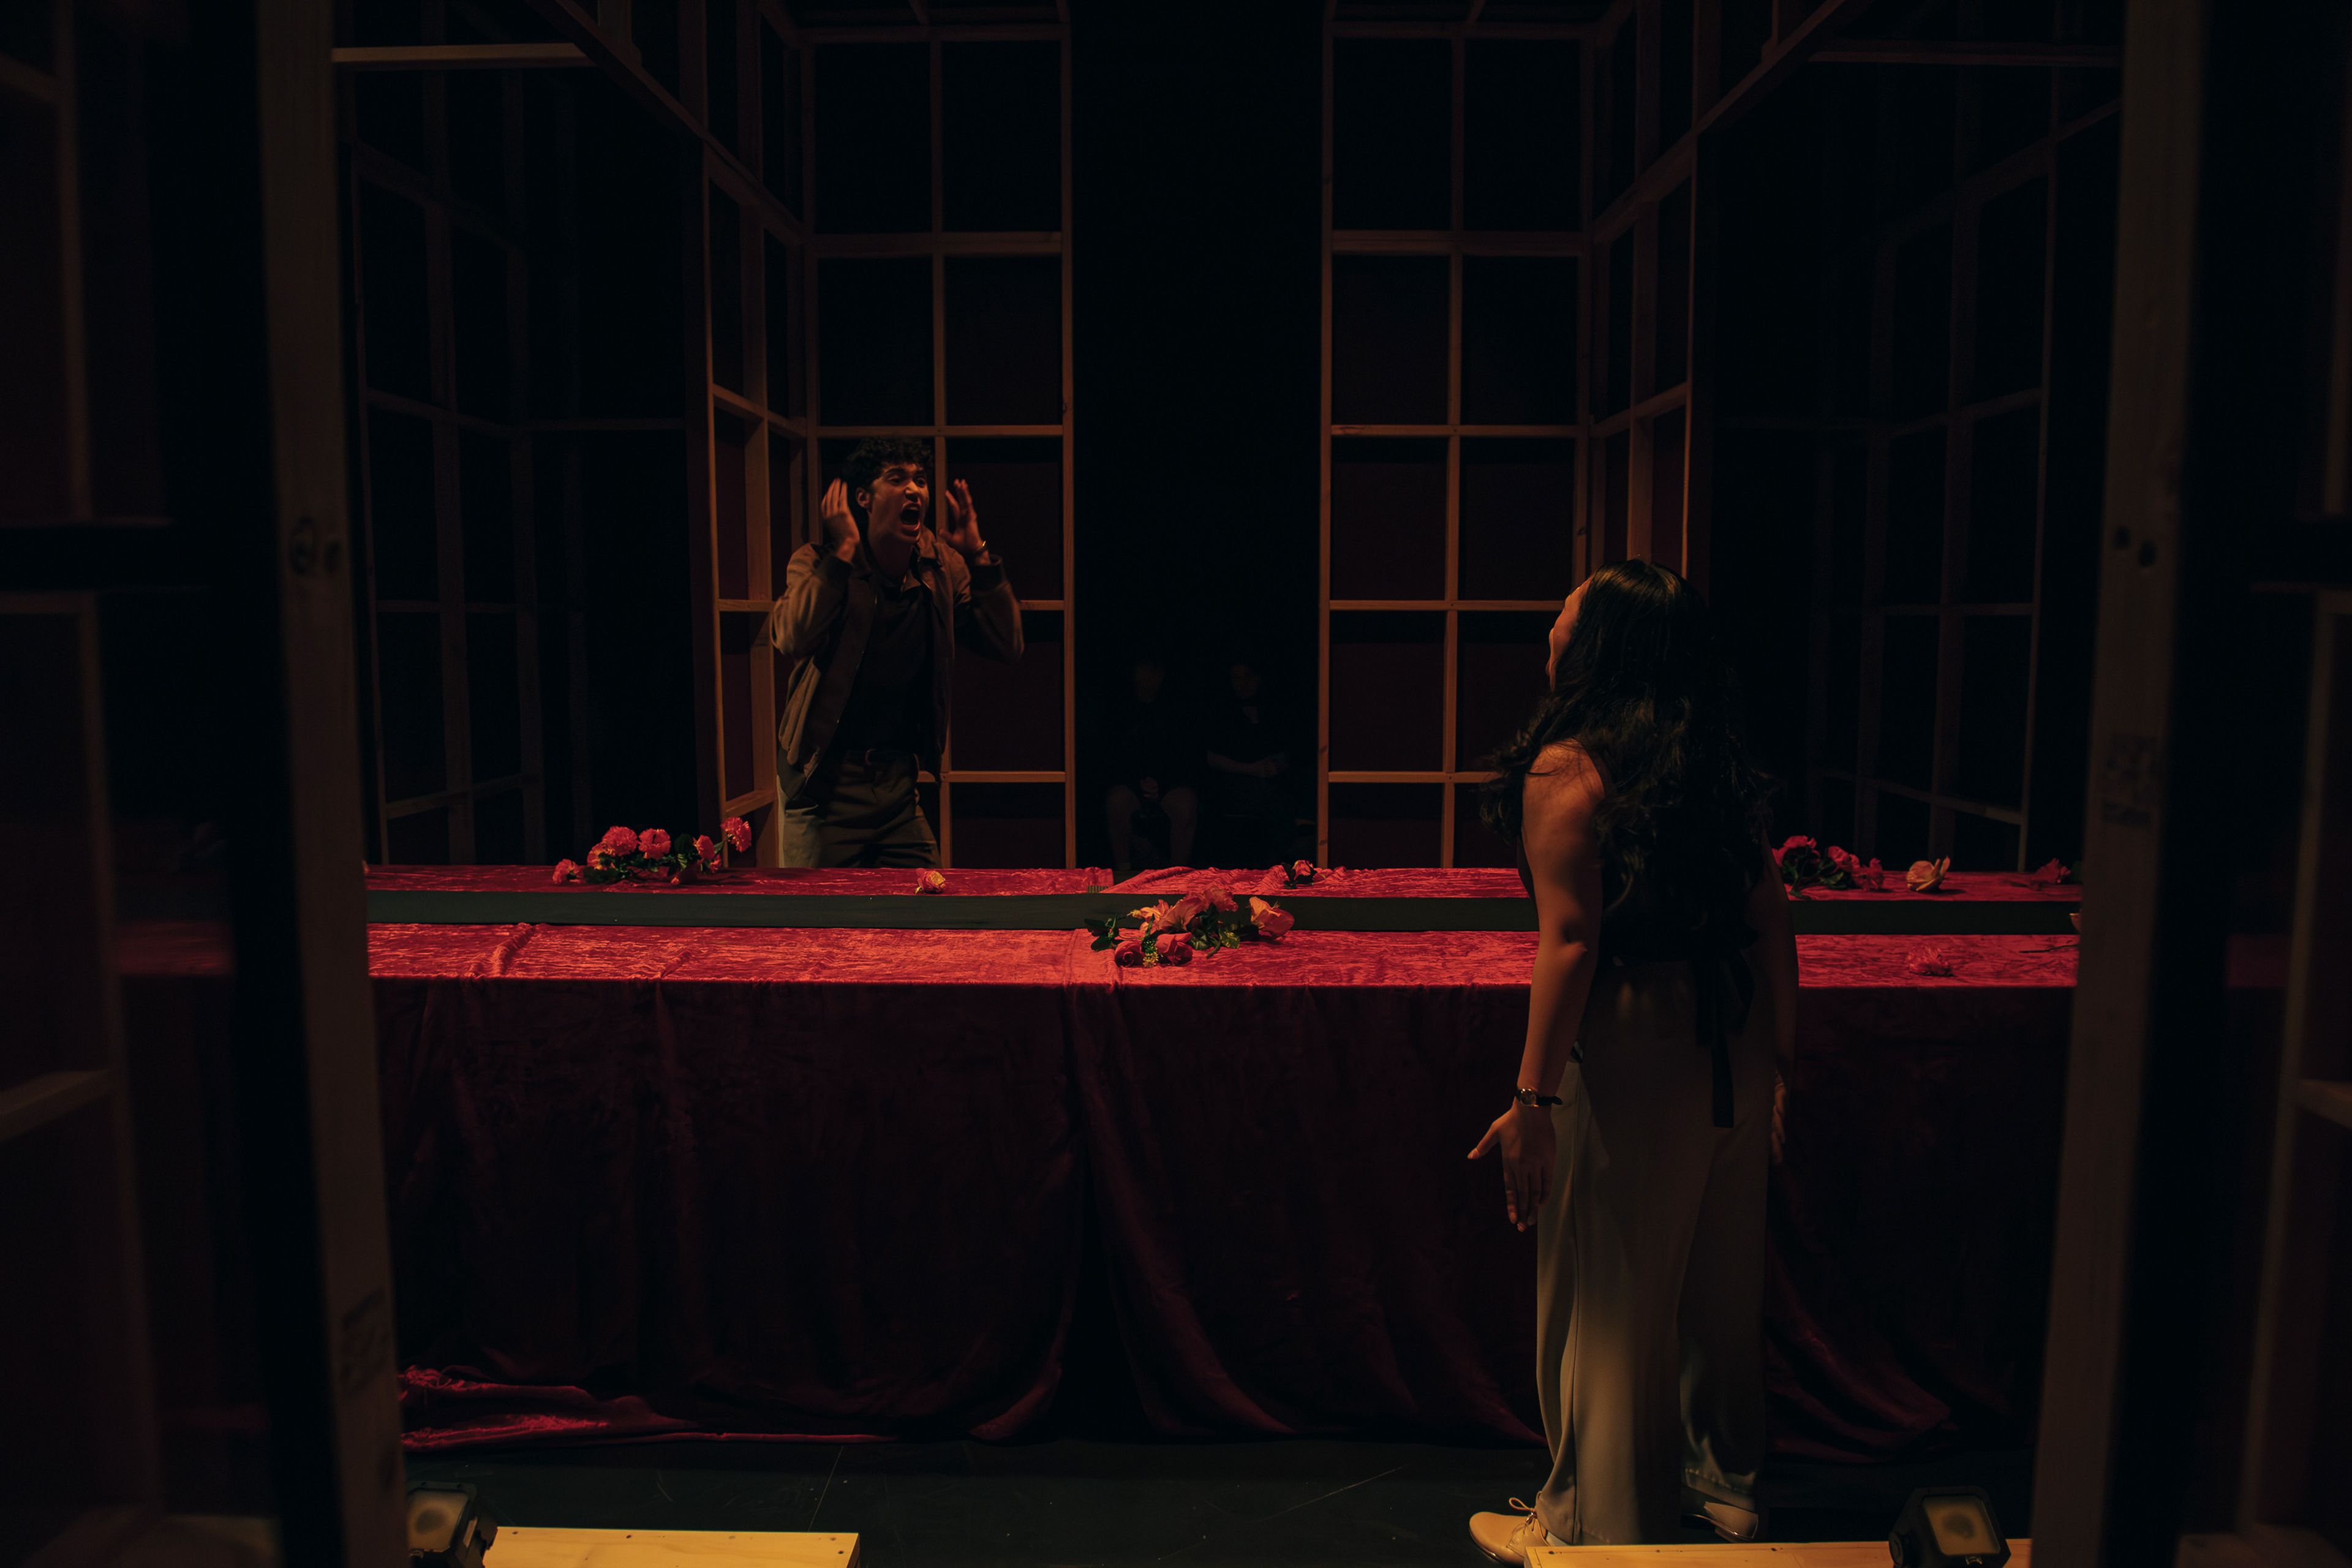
{"x": 974, "y": 883}
{"x": 831, "y": 1184}
{"x": 815, "y": 1182}
{"x": 1502, "y": 882}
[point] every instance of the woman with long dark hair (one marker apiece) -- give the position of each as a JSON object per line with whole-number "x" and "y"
{"x": 1637, "y": 1144}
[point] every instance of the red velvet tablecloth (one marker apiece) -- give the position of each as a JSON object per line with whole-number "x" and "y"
{"x": 834, "y": 1182}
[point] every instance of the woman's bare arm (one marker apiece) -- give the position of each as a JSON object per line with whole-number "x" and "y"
{"x": 1562, "y": 791}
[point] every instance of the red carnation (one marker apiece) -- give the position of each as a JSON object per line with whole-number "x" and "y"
{"x": 654, "y": 843}
{"x": 1873, "y": 876}
{"x": 737, "y": 832}
{"x": 602, "y": 859}
{"x": 1175, "y": 947}
{"x": 567, "y": 870}
{"x": 705, "y": 852}
{"x": 619, "y": 841}
{"x": 1270, "y": 921}
{"x": 1128, "y": 953}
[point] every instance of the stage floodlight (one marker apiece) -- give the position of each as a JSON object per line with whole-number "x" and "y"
{"x": 1947, "y": 1527}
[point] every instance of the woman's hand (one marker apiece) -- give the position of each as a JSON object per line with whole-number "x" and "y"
{"x": 1523, "y": 1135}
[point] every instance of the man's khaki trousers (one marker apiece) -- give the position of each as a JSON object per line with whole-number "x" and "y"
{"x": 854, "y": 815}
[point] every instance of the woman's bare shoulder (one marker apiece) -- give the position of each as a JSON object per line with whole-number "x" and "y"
{"x": 1562, "y": 779}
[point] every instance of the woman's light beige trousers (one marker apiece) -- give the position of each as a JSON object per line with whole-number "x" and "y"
{"x": 1650, "y": 1268}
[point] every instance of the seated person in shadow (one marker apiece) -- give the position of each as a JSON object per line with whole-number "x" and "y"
{"x": 1249, "y": 794}
{"x": 1155, "y": 764}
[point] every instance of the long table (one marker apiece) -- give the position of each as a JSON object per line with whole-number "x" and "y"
{"x": 827, "y": 1181}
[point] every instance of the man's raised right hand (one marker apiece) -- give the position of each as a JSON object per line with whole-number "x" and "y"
{"x": 840, "y": 521}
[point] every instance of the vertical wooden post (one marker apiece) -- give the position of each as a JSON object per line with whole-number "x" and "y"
{"x": 2125, "y": 984}
{"x": 329, "y": 1296}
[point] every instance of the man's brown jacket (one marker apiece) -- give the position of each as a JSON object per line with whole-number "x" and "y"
{"x": 826, "y": 616}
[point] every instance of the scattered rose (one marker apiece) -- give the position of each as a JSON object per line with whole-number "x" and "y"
{"x": 705, "y": 852}
{"x": 1928, "y": 960}
{"x": 1188, "y": 909}
{"x": 1925, "y": 876}
{"x": 1301, "y": 871}
{"x": 932, "y": 881}
{"x": 1175, "y": 947}
{"x": 1848, "y": 863}
{"x": 737, "y": 832}
{"x": 1128, "y": 954}
{"x": 567, "y": 870}
{"x": 2052, "y": 875}
{"x": 1221, "y": 899}
{"x": 620, "y": 841}
{"x": 653, "y": 843}
{"x": 1269, "y": 921}
{"x": 1873, "y": 876}
{"x": 1796, "y": 842}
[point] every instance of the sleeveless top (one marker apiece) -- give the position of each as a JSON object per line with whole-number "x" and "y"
{"x": 1639, "y": 926}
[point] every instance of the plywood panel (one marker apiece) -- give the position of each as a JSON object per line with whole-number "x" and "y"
{"x": 540, "y": 1546}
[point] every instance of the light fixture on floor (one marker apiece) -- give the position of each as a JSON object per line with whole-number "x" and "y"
{"x": 1947, "y": 1527}
{"x": 446, "y": 1526}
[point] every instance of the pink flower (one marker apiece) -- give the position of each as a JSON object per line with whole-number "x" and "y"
{"x": 1155, "y": 918}
{"x": 1928, "y": 960}
{"x": 706, "y": 853}
{"x": 567, "y": 870}
{"x": 1221, "y": 899}
{"x": 932, "y": 881}
{"x": 1269, "y": 921}
{"x": 1873, "y": 876}
{"x": 737, "y": 832}
{"x": 1188, "y": 909}
{"x": 1175, "y": 947}
{"x": 1925, "y": 876}
{"x": 1128, "y": 954}
{"x": 653, "y": 843}
{"x": 620, "y": 841}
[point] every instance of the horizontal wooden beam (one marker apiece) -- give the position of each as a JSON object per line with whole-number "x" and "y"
{"x": 1041, "y": 242}
{"x": 1910, "y": 52}
{"x": 1474, "y": 607}
{"x": 1547, "y": 432}
{"x": 460, "y": 56}
{"x": 1469, "y": 242}
{"x": 18, "y": 78}
{"x": 2322, "y": 1097}
{"x": 38, "y": 1101}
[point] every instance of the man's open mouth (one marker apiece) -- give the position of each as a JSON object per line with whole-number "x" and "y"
{"x": 910, "y": 513}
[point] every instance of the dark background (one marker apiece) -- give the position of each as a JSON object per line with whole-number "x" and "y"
{"x": 1196, "y": 234}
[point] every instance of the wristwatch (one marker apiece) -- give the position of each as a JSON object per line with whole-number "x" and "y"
{"x": 1533, "y": 1100}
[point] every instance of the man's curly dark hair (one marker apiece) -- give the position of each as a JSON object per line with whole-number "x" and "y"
{"x": 874, "y": 453}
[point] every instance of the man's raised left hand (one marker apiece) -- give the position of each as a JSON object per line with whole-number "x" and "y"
{"x": 962, "y": 530}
